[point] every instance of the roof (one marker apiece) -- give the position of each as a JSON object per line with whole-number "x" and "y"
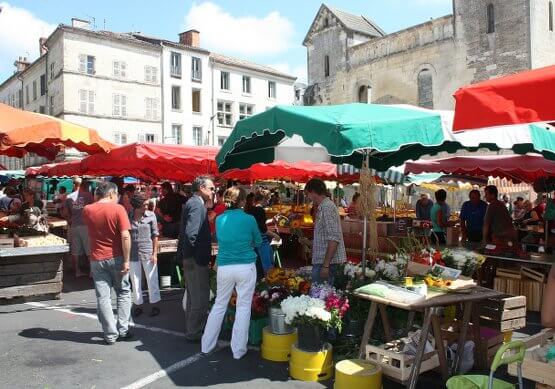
{"x": 357, "y": 23}
{"x": 158, "y": 41}
{"x": 232, "y": 61}
{"x": 350, "y": 22}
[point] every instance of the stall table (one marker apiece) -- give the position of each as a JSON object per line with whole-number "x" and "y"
{"x": 430, "y": 307}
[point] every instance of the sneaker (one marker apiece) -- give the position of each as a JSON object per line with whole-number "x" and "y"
{"x": 127, "y": 337}
{"x": 137, "y": 311}
{"x": 109, "y": 342}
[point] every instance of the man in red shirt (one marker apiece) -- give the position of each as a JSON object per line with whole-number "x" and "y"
{"x": 110, "y": 245}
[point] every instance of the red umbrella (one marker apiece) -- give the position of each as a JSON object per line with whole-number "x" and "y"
{"x": 154, "y": 162}
{"x": 279, "y": 170}
{"x": 61, "y": 169}
{"x": 521, "y": 98}
{"x": 518, "y": 168}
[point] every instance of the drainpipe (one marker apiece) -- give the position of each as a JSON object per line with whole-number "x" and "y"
{"x": 162, "y": 108}
{"x": 213, "y": 102}
{"x": 22, "y": 102}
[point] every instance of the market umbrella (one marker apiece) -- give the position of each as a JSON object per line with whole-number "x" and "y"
{"x": 60, "y": 169}
{"x": 153, "y": 162}
{"x": 520, "y": 98}
{"x": 24, "y": 132}
{"x": 518, "y": 168}
{"x": 300, "y": 171}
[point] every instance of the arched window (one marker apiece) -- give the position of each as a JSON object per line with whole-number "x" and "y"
{"x": 425, "y": 89}
{"x": 364, "y": 94}
{"x": 491, "y": 18}
{"x": 550, "y": 16}
{"x": 326, "y": 65}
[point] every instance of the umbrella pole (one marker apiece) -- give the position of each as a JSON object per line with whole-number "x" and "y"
{"x": 394, "y": 202}
{"x": 367, "y": 206}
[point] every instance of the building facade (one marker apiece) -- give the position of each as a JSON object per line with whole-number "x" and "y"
{"x": 351, "y": 59}
{"x": 134, "y": 88}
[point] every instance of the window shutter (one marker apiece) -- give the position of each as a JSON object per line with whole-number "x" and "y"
{"x": 148, "y": 76}
{"x": 91, "y": 102}
{"x": 154, "y": 74}
{"x": 116, "y": 103}
{"x": 123, "y": 69}
{"x": 123, "y": 105}
{"x": 82, "y": 63}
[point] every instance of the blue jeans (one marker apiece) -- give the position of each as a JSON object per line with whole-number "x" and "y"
{"x": 107, "y": 275}
{"x": 316, "y": 274}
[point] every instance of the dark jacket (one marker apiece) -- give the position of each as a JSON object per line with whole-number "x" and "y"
{"x": 195, "y": 240}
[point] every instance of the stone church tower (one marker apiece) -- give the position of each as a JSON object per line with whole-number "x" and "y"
{"x": 350, "y": 58}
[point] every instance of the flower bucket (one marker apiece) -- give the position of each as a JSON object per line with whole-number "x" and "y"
{"x": 310, "y": 338}
{"x": 277, "y": 322}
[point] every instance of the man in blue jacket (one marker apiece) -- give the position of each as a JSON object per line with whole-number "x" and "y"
{"x": 195, "y": 248}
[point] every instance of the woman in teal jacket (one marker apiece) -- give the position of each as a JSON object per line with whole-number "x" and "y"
{"x": 238, "y": 236}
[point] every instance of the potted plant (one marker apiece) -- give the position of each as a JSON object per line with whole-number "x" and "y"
{"x": 311, "y": 318}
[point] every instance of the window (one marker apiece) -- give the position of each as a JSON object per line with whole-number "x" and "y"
{"x": 27, "y": 94}
{"x": 224, "y": 80}
{"x": 151, "y": 110}
{"x": 120, "y": 138}
{"x": 221, "y": 140}
{"x": 326, "y": 66}
{"x": 247, "y": 85}
{"x": 175, "y": 65}
{"x": 52, "y": 69}
{"x": 196, "y": 100}
{"x": 86, "y": 64}
{"x": 271, "y": 89}
{"x": 176, "y": 97}
{"x": 196, "y": 68}
{"x": 326, "y": 22}
{"x": 51, "y": 105}
{"x": 197, "y": 136}
{"x": 34, "y": 90}
{"x": 245, "y": 110}
{"x": 20, "y": 98}
{"x": 224, "y": 114}
{"x": 147, "y": 138}
{"x": 176, "y": 134}
{"x": 119, "y": 105}
{"x": 120, "y": 69}
{"x": 86, "y": 101}
{"x": 491, "y": 18}
{"x": 425, "y": 89}
{"x": 550, "y": 16}
{"x": 151, "y": 74}
{"x": 42, "y": 109}
{"x": 43, "y": 85}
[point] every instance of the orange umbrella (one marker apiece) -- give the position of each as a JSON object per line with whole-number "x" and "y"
{"x": 24, "y": 132}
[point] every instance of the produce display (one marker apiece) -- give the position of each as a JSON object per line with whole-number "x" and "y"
{"x": 297, "y": 216}
{"x": 39, "y": 241}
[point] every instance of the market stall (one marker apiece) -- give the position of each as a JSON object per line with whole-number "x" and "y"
{"x": 30, "y": 258}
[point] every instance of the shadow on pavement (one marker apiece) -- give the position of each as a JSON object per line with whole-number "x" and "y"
{"x": 63, "y": 335}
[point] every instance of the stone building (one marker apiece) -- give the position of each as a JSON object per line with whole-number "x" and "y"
{"x": 350, "y": 58}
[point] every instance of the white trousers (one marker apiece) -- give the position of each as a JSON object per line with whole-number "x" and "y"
{"x": 242, "y": 278}
{"x": 151, "y": 272}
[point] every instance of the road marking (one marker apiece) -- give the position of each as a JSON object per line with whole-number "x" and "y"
{"x": 164, "y": 372}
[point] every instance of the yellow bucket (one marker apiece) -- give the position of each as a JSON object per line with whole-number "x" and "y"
{"x": 311, "y": 366}
{"x": 277, "y": 348}
{"x": 357, "y": 374}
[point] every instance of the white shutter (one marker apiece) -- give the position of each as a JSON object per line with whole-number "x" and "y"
{"x": 116, "y": 69}
{"x": 82, "y": 101}
{"x": 123, "y": 69}
{"x": 154, "y": 71}
{"x": 82, "y": 63}
{"x": 142, "y": 138}
{"x": 116, "y": 103}
{"x": 155, "y": 109}
{"x": 123, "y": 138}
{"x": 148, "y": 109}
{"x": 148, "y": 74}
{"x": 91, "y": 102}
{"x": 123, "y": 105}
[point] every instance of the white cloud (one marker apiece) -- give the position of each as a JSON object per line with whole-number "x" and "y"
{"x": 297, "y": 71}
{"x": 20, "y": 31}
{"x": 246, "y": 35}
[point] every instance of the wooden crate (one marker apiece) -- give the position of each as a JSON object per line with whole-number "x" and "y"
{"x": 504, "y": 314}
{"x": 31, "y": 273}
{"x": 541, "y": 372}
{"x": 397, "y": 365}
{"x": 485, "y": 348}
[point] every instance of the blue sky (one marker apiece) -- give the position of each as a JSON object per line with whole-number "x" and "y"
{"x": 264, "y": 31}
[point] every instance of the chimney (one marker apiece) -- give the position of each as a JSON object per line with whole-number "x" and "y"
{"x": 21, "y": 64}
{"x": 42, "y": 46}
{"x": 80, "y": 23}
{"x": 190, "y": 38}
